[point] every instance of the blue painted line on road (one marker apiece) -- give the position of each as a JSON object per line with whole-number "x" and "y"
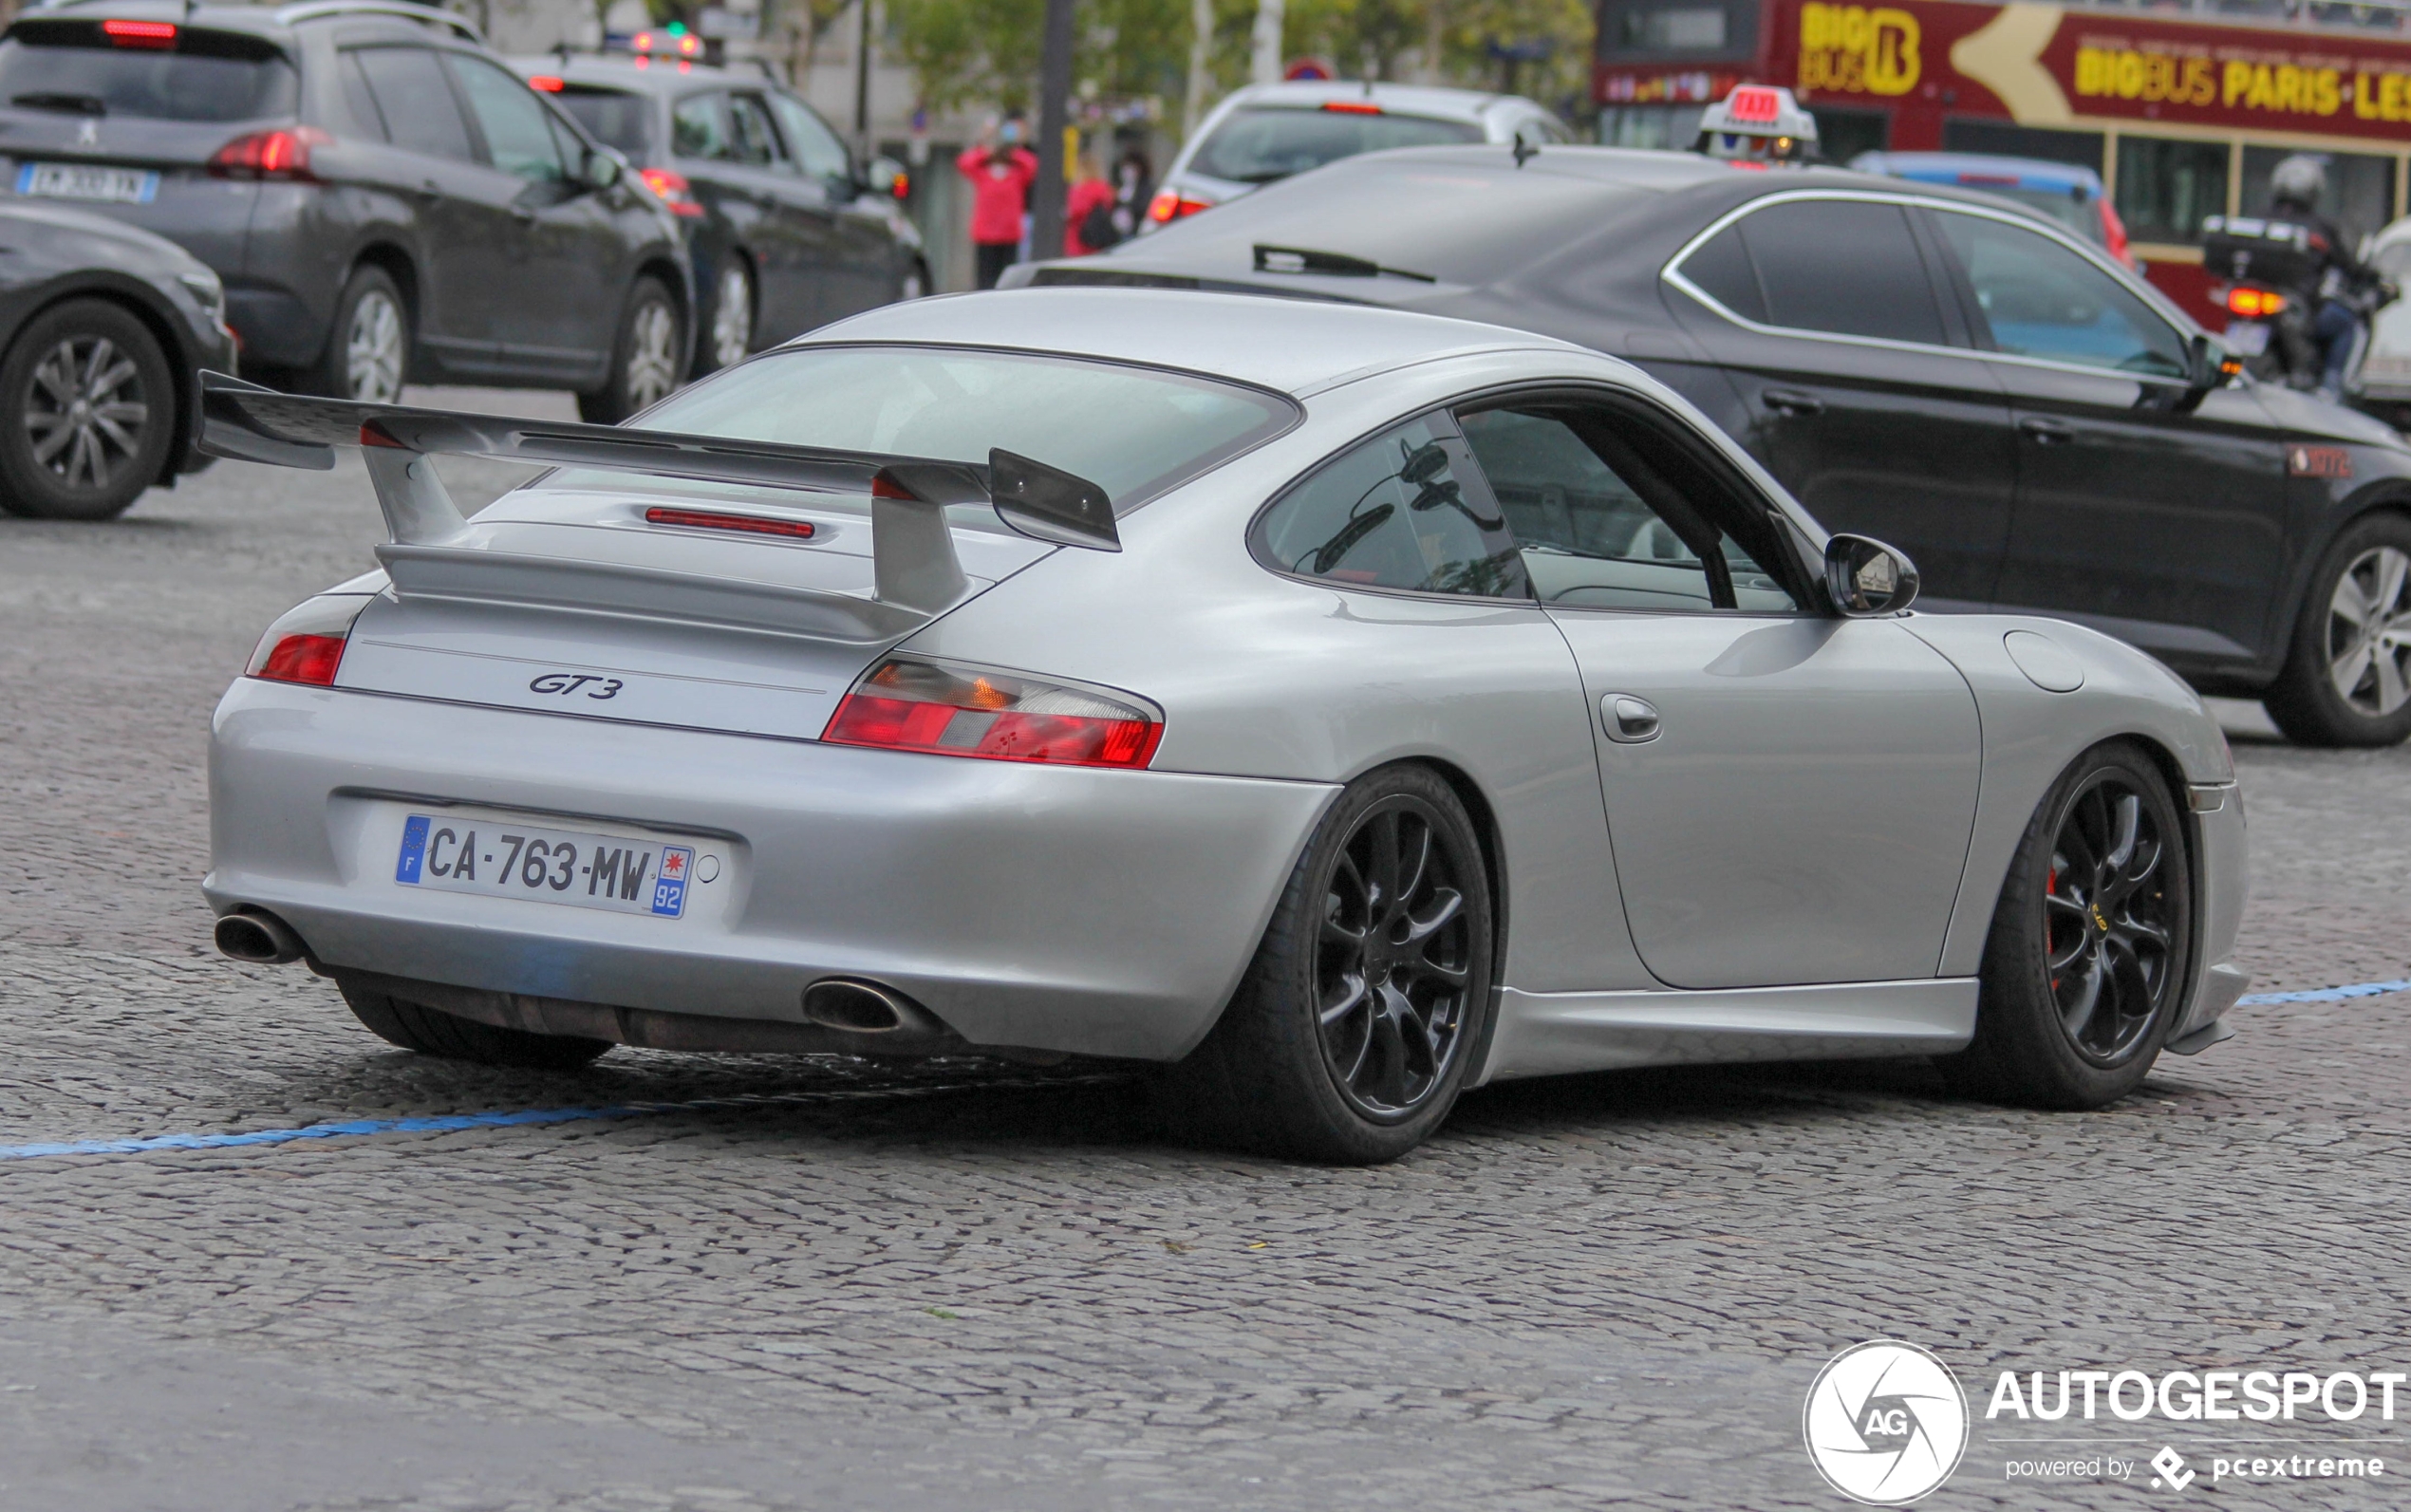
{"x": 2358, "y": 989}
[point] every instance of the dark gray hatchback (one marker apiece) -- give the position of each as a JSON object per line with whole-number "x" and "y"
{"x": 384, "y": 199}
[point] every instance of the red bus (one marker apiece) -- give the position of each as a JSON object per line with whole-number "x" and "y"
{"x": 2182, "y": 108}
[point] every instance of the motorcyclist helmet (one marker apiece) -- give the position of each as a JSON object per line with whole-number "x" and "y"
{"x": 2299, "y": 182}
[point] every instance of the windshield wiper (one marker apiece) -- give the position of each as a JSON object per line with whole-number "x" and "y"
{"x": 66, "y": 105}
{"x": 1336, "y": 264}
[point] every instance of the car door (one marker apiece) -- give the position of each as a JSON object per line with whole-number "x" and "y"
{"x": 1825, "y": 317}
{"x": 2154, "y": 512}
{"x": 431, "y": 158}
{"x": 860, "y": 270}
{"x": 743, "y": 214}
{"x": 557, "y": 247}
{"x": 1790, "y": 794}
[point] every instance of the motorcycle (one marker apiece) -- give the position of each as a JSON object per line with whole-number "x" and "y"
{"x": 2271, "y": 326}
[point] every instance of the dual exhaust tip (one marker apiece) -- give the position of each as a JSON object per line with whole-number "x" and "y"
{"x": 260, "y": 939}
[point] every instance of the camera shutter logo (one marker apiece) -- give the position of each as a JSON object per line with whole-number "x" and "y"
{"x": 1886, "y": 1422}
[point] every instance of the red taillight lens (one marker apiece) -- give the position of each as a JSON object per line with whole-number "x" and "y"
{"x": 140, "y": 33}
{"x": 715, "y": 520}
{"x": 549, "y": 83}
{"x": 1171, "y": 204}
{"x": 1352, "y": 108}
{"x": 310, "y": 659}
{"x": 910, "y": 705}
{"x": 671, "y": 189}
{"x": 307, "y": 646}
{"x": 280, "y": 154}
{"x": 2254, "y": 304}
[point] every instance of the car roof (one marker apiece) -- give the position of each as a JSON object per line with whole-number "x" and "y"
{"x": 1290, "y": 346}
{"x": 620, "y": 70}
{"x": 1949, "y": 167}
{"x": 255, "y": 20}
{"x": 1406, "y": 100}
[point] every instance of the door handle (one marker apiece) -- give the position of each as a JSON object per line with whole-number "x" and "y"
{"x": 1628, "y": 720}
{"x": 1792, "y": 402}
{"x": 2046, "y": 431}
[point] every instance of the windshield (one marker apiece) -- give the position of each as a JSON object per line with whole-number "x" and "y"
{"x": 72, "y": 67}
{"x": 1259, "y": 146}
{"x": 1135, "y": 432}
{"x": 612, "y": 118}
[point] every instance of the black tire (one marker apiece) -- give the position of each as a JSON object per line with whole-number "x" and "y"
{"x": 646, "y": 359}
{"x": 369, "y": 345}
{"x": 2125, "y": 924}
{"x": 2305, "y": 702}
{"x": 430, "y": 1033}
{"x": 1270, "y": 1076}
{"x": 90, "y": 413}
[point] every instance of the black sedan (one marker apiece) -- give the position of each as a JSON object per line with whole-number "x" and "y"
{"x": 104, "y": 334}
{"x": 385, "y": 199}
{"x": 2035, "y": 425}
{"x": 785, "y": 228}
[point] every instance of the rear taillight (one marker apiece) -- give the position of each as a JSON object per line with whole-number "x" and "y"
{"x": 1352, "y": 108}
{"x": 307, "y": 645}
{"x": 722, "y": 520}
{"x": 911, "y": 705}
{"x": 2255, "y": 304}
{"x": 1172, "y": 205}
{"x": 160, "y": 34}
{"x": 283, "y": 153}
{"x": 671, "y": 189}
{"x": 550, "y": 83}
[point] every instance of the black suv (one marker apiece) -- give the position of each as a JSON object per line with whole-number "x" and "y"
{"x": 785, "y": 231}
{"x": 382, "y": 197}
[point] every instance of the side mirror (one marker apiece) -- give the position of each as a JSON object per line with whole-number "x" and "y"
{"x": 1866, "y": 578}
{"x": 604, "y": 168}
{"x": 884, "y": 176}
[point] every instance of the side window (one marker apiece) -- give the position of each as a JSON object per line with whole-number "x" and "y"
{"x": 699, "y": 127}
{"x": 815, "y": 148}
{"x": 752, "y": 136}
{"x": 1849, "y": 266}
{"x": 415, "y": 101}
{"x": 358, "y": 101}
{"x": 1612, "y": 514}
{"x": 1723, "y": 272}
{"x": 2039, "y": 299}
{"x": 518, "y": 135}
{"x": 1401, "y": 511}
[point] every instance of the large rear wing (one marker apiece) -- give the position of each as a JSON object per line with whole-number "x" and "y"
{"x": 912, "y": 549}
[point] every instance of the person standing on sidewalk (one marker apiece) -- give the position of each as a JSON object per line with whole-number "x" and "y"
{"x": 1088, "y": 210}
{"x": 1000, "y": 171}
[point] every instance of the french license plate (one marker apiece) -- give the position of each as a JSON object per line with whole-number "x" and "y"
{"x": 569, "y": 867}
{"x": 69, "y": 180}
{"x": 2248, "y": 338}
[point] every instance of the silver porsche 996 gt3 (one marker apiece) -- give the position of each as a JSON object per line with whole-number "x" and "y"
{"x": 1335, "y": 707}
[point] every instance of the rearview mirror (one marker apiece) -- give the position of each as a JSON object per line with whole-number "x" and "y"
{"x": 603, "y": 168}
{"x": 1866, "y": 578}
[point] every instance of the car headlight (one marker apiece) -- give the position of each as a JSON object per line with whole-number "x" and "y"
{"x": 208, "y": 291}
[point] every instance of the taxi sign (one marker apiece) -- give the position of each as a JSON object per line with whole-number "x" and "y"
{"x": 1757, "y": 124}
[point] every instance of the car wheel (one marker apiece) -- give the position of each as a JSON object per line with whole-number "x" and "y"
{"x": 644, "y": 363}
{"x": 2091, "y": 948}
{"x": 2348, "y": 678}
{"x": 732, "y": 334}
{"x": 95, "y": 412}
{"x": 413, "y": 1026}
{"x": 1357, "y": 1024}
{"x": 368, "y": 352}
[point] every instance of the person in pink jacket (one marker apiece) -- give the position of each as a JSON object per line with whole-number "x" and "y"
{"x": 1000, "y": 171}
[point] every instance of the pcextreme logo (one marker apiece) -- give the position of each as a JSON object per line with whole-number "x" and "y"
{"x": 1886, "y": 1422}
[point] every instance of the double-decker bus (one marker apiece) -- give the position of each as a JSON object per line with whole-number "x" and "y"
{"x": 2183, "y": 108}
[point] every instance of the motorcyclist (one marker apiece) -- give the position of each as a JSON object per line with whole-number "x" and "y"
{"x": 2323, "y": 330}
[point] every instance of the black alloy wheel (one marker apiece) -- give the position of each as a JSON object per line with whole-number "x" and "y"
{"x": 90, "y": 411}
{"x": 2087, "y": 967}
{"x": 1369, "y": 1000}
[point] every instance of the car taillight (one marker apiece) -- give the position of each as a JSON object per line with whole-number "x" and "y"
{"x": 307, "y": 645}
{"x": 1172, "y": 205}
{"x": 2254, "y": 304}
{"x": 671, "y": 190}
{"x": 283, "y": 153}
{"x": 549, "y": 83}
{"x": 140, "y": 33}
{"x": 912, "y": 705}
{"x": 721, "y": 520}
{"x": 1352, "y": 108}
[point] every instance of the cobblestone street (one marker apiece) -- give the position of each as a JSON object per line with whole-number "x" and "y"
{"x": 774, "y": 1282}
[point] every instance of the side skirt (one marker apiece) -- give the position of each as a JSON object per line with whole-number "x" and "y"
{"x": 1548, "y": 1033}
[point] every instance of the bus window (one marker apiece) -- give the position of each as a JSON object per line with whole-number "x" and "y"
{"x": 2166, "y": 188}
{"x": 2360, "y": 197}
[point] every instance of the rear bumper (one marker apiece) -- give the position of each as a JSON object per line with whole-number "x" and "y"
{"x": 1107, "y": 913}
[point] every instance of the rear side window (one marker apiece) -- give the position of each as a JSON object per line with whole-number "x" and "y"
{"x": 1402, "y": 510}
{"x": 415, "y": 99}
{"x": 617, "y": 120}
{"x": 201, "y": 76}
{"x": 1258, "y": 147}
{"x": 1848, "y": 266}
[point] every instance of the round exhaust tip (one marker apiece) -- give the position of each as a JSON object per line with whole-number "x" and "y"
{"x": 857, "y": 1007}
{"x": 260, "y": 939}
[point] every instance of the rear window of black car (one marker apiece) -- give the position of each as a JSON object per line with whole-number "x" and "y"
{"x": 612, "y": 117}
{"x": 1258, "y": 147}
{"x": 78, "y": 68}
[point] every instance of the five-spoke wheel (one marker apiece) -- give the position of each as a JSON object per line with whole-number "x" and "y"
{"x": 2347, "y": 675}
{"x": 92, "y": 410}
